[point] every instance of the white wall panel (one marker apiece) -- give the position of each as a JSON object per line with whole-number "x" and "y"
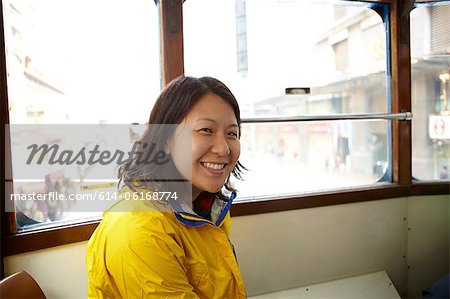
{"x": 59, "y": 271}
{"x": 290, "y": 249}
{"x": 428, "y": 241}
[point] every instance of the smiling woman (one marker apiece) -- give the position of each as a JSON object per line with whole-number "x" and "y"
{"x": 180, "y": 246}
{"x": 215, "y": 144}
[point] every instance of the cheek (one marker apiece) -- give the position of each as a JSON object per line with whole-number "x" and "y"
{"x": 180, "y": 150}
{"x": 236, "y": 150}
{"x": 183, "y": 162}
{"x": 199, "y": 148}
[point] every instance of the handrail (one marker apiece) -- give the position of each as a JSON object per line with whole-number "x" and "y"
{"x": 405, "y": 116}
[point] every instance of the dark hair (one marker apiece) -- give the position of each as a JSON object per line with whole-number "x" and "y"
{"x": 171, "y": 107}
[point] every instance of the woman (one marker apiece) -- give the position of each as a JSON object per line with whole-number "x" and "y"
{"x": 175, "y": 248}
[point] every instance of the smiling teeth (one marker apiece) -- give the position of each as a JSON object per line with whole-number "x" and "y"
{"x": 214, "y": 166}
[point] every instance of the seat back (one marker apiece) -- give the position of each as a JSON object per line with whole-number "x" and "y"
{"x": 20, "y": 285}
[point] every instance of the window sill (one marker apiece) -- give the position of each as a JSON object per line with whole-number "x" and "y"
{"x": 56, "y": 236}
{"x": 47, "y": 238}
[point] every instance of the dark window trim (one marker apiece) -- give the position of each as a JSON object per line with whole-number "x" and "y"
{"x": 171, "y": 20}
{"x": 47, "y": 238}
{"x": 430, "y": 188}
{"x": 173, "y": 66}
{"x": 400, "y": 62}
{"x": 4, "y": 116}
{"x": 321, "y": 199}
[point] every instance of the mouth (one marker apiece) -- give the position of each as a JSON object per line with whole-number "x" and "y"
{"x": 214, "y": 167}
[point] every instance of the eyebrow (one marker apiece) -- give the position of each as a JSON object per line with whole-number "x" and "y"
{"x": 213, "y": 121}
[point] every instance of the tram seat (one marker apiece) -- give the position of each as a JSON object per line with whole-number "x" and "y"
{"x": 371, "y": 285}
{"x": 20, "y": 285}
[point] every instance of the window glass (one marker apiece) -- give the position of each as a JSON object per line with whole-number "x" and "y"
{"x": 430, "y": 63}
{"x": 261, "y": 47}
{"x": 289, "y": 158}
{"x": 79, "y": 62}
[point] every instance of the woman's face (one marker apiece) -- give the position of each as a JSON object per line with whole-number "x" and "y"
{"x": 215, "y": 144}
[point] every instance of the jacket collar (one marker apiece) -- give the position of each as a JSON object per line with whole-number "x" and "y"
{"x": 188, "y": 217}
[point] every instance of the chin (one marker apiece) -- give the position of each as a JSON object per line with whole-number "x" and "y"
{"x": 213, "y": 189}
{"x": 209, "y": 186}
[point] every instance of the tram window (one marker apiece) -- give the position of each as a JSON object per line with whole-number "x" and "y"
{"x": 291, "y": 158}
{"x": 78, "y": 62}
{"x": 337, "y": 48}
{"x": 430, "y": 63}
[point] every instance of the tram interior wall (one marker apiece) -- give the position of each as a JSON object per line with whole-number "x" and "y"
{"x": 407, "y": 237}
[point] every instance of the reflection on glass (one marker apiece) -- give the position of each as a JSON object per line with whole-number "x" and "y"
{"x": 430, "y": 54}
{"x": 78, "y": 62}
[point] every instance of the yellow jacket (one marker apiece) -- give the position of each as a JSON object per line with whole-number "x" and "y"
{"x": 139, "y": 251}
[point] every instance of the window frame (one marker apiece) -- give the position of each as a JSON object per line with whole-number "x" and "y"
{"x": 4, "y": 117}
{"x": 172, "y": 65}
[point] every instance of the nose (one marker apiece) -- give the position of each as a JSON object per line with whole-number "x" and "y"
{"x": 220, "y": 146}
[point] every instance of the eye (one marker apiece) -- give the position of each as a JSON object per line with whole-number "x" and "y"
{"x": 206, "y": 130}
{"x": 233, "y": 134}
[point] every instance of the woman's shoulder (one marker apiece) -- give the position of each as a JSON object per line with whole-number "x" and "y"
{"x": 120, "y": 233}
{"x": 133, "y": 216}
{"x": 138, "y": 217}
